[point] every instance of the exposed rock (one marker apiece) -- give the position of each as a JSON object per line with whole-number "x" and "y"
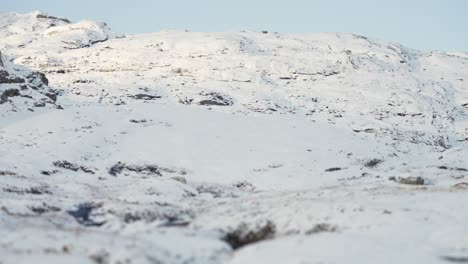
{"x": 461, "y": 185}
{"x": 7, "y": 173}
{"x": 52, "y": 96}
{"x": 144, "y": 97}
{"x": 320, "y": 228}
{"x": 452, "y": 168}
{"x": 72, "y": 166}
{"x": 408, "y": 180}
{"x": 373, "y": 163}
{"x": 244, "y": 235}
{"x": 53, "y": 17}
{"x": 8, "y": 93}
{"x": 148, "y": 169}
{"x": 137, "y": 121}
{"x": 32, "y": 190}
{"x": 180, "y": 179}
{"x": 48, "y": 173}
{"x": 6, "y": 77}
{"x": 333, "y": 169}
{"x": 455, "y": 259}
{"x": 44, "y": 208}
{"x": 215, "y": 99}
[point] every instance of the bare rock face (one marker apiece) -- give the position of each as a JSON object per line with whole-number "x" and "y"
{"x": 23, "y": 89}
{"x": 6, "y": 77}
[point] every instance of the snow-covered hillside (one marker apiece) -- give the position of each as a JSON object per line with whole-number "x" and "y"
{"x": 239, "y": 147}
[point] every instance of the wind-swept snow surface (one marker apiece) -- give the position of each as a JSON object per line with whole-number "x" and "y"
{"x": 241, "y": 147}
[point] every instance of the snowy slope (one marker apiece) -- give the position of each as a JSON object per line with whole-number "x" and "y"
{"x": 238, "y": 147}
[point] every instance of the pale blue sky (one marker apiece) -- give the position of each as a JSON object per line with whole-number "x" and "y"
{"x": 421, "y": 24}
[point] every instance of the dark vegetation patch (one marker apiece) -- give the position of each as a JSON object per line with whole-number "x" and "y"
{"x": 244, "y": 235}
{"x": 82, "y": 214}
{"x": 72, "y": 166}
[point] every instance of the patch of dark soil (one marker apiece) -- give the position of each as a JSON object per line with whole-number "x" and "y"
{"x": 72, "y": 166}
{"x": 82, "y": 214}
{"x": 244, "y": 235}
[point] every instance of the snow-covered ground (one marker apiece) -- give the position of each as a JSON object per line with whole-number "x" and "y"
{"x": 239, "y": 147}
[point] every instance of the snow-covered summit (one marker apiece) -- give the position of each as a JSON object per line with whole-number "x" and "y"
{"x": 39, "y": 31}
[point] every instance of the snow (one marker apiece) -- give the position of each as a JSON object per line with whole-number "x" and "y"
{"x": 168, "y": 142}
